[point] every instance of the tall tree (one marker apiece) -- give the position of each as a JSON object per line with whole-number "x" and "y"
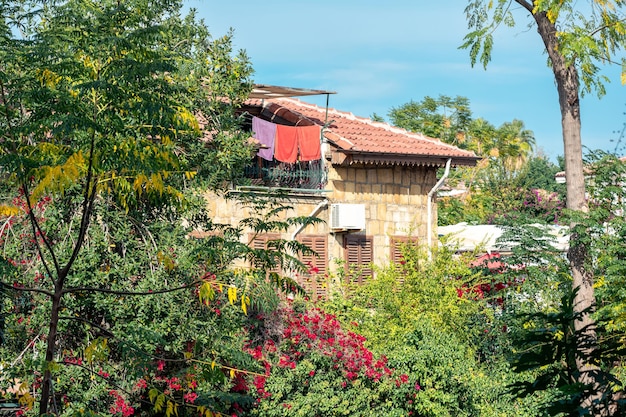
{"x": 514, "y": 144}
{"x": 98, "y": 106}
{"x": 444, "y": 117}
{"x": 577, "y": 39}
{"x": 482, "y": 136}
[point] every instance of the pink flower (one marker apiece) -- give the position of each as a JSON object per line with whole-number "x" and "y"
{"x": 173, "y": 384}
{"x": 190, "y": 397}
{"x": 141, "y": 384}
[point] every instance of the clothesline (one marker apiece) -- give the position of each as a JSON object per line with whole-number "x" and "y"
{"x": 287, "y": 143}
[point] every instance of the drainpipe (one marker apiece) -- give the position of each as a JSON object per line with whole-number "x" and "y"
{"x": 429, "y": 209}
{"x": 316, "y": 210}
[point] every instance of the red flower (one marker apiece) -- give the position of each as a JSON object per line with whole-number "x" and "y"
{"x": 141, "y": 384}
{"x": 190, "y": 397}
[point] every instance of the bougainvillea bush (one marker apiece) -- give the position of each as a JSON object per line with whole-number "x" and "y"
{"x": 313, "y": 367}
{"x": 431, "y": 322}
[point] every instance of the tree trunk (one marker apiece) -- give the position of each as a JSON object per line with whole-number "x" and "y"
{"x": 567, "y": 82}
{"x": 46, "y": 384}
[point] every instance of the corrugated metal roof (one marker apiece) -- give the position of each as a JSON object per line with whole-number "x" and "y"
{"x": 264, "y": 91}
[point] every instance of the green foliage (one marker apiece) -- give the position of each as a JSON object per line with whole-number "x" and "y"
{"x": 445, "y": 118}
{"x": 549, "y": 346}
{"x": 112, "y": 116}
{"x": 529, "y": 194}
{"x": 451, "y": 121}
{"x": 541, "y": 314}
{"x": 315, "y": 367}
{"x": 605, "y": 230}
{"x": 499, "y": 185}
{"x": 587, "y": 36}
{"x": 146, "y": 308}
{"x": 435, "y": 324}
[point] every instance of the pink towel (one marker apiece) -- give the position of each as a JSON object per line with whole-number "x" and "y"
{"x": 286, "y": 144}
{"x": 264, "y": 132}
{"x": 309, "y": 143}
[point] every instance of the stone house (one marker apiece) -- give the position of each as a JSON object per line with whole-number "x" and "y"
{"x": 372, "y": 185}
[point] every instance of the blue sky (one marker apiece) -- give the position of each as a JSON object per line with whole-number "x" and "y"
{"x": 378, "y": 55}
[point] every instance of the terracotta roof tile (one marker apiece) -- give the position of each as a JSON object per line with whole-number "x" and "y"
{"x": 361, "y": 136}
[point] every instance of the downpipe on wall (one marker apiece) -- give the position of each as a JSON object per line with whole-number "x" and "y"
{"x": 429, "y": 209}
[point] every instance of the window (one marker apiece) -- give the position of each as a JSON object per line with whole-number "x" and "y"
{"x": 397, "y": 245}
{"x": 316, "y": 282}
{"x": 268, "y": 257}
{"x": 358, "y": 251}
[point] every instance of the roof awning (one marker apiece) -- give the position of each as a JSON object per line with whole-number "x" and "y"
{"x": 350, "y": 157}
{"x": 263, "y": 91}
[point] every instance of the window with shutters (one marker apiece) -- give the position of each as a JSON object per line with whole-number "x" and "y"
{"x": 396, "y": 246}
{"x": 315, "y": 282}
{"x": 260, "y": 242}
{"x": 359, "y": 255}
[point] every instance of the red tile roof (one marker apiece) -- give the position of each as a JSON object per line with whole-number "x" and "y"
{"x": 361, "y": 140}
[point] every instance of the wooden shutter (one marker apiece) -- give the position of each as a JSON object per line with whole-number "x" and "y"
{"x": 396, "y": 247}
{"x": 359, "y": 255}
{"x": 260, "y": 242}
{"x": 316, "y": 282}
{"x": 396, "y": 256}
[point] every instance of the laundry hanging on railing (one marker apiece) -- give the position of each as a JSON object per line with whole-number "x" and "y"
{"x": 309, "y": 143}
{"x": 287, "y": 143}
{"x": 265, "y": 133}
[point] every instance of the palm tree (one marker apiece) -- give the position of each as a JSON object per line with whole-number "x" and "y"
{"x": 481, "y": 137}
{"x": 514, "y": 145}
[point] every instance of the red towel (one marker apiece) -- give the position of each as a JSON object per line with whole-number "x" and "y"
{"x": 309, "y": 143}
{"x": 286, "y": 144}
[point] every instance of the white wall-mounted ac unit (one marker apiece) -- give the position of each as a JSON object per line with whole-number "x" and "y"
{"x": 347, "y": 217}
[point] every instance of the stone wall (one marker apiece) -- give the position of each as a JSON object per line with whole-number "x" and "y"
{"x": 395, "y": 200}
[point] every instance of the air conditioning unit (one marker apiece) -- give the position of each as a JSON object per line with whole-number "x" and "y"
{"x": 347, "y": 217}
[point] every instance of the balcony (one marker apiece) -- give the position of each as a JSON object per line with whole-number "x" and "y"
{"x": 301, "y": 175}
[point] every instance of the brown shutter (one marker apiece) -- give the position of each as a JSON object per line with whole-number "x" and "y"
{"x": 315, "y": 283}
{"x": 396, "y": 256}
{"x": 396, "y": 247}
{"x": 260, "y": 242}
{"x": 358, "y": 251}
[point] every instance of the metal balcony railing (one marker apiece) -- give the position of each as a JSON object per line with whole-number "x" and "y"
{"x": 303, "y": 175}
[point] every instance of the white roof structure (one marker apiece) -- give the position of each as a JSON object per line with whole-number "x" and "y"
{"x": 466, "y": 237}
